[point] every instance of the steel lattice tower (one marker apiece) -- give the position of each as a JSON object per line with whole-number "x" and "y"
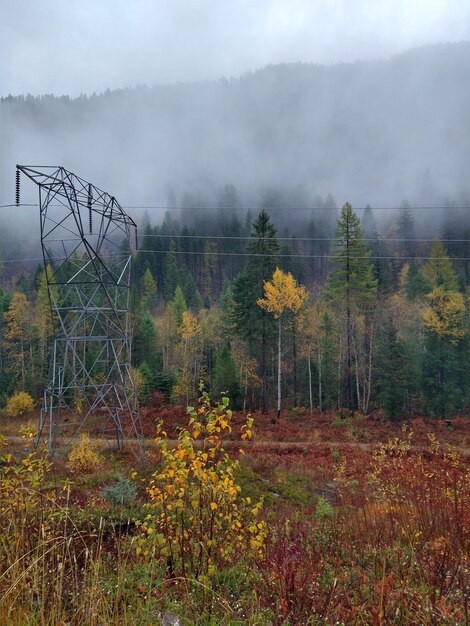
{"x": 85, "y": 238}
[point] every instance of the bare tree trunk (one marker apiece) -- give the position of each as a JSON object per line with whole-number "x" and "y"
{"x": 349, "y": 338}
{"x": 294, "y": 356}
{"x": 358, "y": 387}
{"x": 369, "y": 372}
{"x": 339, "y": 368}
{"x": 310, "y": 384}
{"x": 245, "y": 391}
{"x": 264, "y": 374}
{"x": 320, "y": 391}
{"x": 23, "y": 365}
{"x": 279, "y": 371}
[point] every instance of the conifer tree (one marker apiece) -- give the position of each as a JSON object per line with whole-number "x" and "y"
{"x": 437, "y": 271}
{"x": 444, "y": 318}
{"x": 406, "y": 230}
{"x": 191, "y": 293}
{"x": 171, "y": 273}
{"x": 382, "y": 267}
{"x": 398, "y": 369}
{"x": 149, "y": 288}
{"x": 351, "y": 285}
{"x": 224, "y": 376}
{"x": 415, "y": 285}
{"x": 178, "y": 305}
{"x": 250, "y": 321}
{"x": 145, "y": 342}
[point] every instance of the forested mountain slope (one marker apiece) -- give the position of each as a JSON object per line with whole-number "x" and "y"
{"x": 368, "y": 131}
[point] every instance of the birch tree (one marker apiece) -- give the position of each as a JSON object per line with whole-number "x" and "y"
{"x": 282, "y": 294}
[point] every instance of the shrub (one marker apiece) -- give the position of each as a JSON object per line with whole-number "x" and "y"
{"x": 122, "y": 493}
{"x": 19, "y": 403}
{"x": 197, "y": 518}
{"x": 323, "y": 508}
{"x": 82, "y": 458}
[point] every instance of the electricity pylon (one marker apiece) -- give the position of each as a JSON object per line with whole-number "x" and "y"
{"x": 85, "y": 238}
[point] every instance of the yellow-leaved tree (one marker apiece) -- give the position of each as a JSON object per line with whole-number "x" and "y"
{"x": 43, "y": 320}
{"x": 282, "y": 294}
{"x": 444, "y": 322}
{"x": 197, "y": 518}
{"x": 190, "y": 332}
{"x": 18, "y": 336}
{"x": 445, "y": 314}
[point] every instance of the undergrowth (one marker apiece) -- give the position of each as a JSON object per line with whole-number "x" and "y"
{"x": 390, "y": 545}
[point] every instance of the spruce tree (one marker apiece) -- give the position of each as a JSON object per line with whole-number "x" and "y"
{"x": 406, "y": 230}
{"x": 145, "y": 342}
{"x": 224, "y": 376}
{"x": 178, "y": 305}
{"x": 250, "y": 321}
{"x": 415, "y": 284}
{"x": 149, "y": 288}
{"x": 382, "y": 266}
{"x": 171, "y": 273}
{"x": 398, "y": 369}
{"x": 437, "y": 271}
{"x": 351, "y": 284}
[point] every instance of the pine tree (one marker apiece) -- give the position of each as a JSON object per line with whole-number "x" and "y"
{"x": 171, "y": 273}
{"x": 208, "y": 270}
{"x": 191, "y": 293}
{"x": 149, "y": 288}
{"x": 382, "y": 266}
{"x": 224, "y": 376}
{"x": 251, "y": 322}
{"x": 415, "y": 284}
{"x": 145, "y": 342}
{"x": 351, "y": 285}
{"x": 437, "y": 271}
{"x": 178, "y": 305}
{"x": 398, "y": 368}
{"x": 406, "y": 230}
{"x": 369, "y": 224}
{"x": 444, "y": 320}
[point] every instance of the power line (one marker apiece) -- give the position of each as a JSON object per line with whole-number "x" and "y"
{"x": 293, "y": 208}
{"x": 309, "y": 256}
{"x": 259, "y": 254}
{"x": 162, "y": 207}
{"x": 292, "y": 238}
{"x": 4, "y": 206}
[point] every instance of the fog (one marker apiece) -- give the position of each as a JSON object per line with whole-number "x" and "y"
{"x": 286, "y": 103}
{"x": 369, "y": 132}
{"x": 90, "y": 45}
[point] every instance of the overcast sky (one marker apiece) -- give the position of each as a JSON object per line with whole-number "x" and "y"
{"x": 73, "y": 46}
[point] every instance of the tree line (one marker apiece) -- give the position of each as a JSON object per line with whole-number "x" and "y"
{"x": 339, "y": 317}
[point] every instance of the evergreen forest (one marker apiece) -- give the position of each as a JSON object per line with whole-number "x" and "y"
{"x": 381, "y": 320}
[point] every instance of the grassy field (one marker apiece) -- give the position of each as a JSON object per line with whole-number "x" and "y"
{"x": 323, "y": 519}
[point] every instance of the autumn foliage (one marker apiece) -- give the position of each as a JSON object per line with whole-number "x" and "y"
{"x": 19, "y": 403}
{"x": 197, "y": 520}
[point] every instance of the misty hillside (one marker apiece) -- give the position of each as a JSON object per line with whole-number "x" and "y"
{"x": 368, "y": 132}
